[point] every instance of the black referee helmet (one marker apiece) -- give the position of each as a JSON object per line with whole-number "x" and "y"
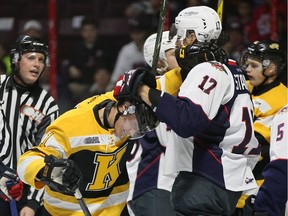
{"x": 24, "y": 44}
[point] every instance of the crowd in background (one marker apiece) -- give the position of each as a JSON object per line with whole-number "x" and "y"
{"x": 92, "y": 61}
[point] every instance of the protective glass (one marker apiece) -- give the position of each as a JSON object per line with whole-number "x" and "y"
{"x": 131, "y": 127}
{"x": 130, "y": 123}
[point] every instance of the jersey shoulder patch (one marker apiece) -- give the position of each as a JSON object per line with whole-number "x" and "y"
{"x": 218, "y": 66}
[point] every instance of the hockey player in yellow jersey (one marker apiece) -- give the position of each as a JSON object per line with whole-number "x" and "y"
{"x": 90, "y": 145}
{"x": 264, "y": 64}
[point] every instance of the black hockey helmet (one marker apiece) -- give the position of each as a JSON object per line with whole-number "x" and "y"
{"x": 24, "y": 44}
{"x": 266, "y": 51}
{"x": 191, "y": 55}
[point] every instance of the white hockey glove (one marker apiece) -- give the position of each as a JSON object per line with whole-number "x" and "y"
{"x": 62, "y": 175}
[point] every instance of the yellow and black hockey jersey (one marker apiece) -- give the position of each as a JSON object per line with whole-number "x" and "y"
{"x": 267, "y": 101}
{"x": 170, "y": 82}
{"x": 79, "y": 136}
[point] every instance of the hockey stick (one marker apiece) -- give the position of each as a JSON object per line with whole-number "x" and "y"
{"x": 159, "y": 37}
{"x": 13, "y": 205}
{"x": 220, "y": 8}
{"x": 82, "y": 203}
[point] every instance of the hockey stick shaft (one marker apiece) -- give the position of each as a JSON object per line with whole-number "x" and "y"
{"x": 12, "y": 203}
{"x": 82, "y": 203}
{"x": 159, "y": 37}
{"x": 220, "y": 9}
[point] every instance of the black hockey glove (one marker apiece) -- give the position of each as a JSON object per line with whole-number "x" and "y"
{"x": 127, "y": 85}
{"x": 61, "y": 175}
{"x": 248, "y": 209}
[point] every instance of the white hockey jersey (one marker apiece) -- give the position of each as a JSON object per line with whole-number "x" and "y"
{"x": 213, "y": 112}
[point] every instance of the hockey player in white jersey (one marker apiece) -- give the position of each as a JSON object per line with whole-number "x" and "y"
{"x": 272, "y": 195}
{"x": 149, "y": 192}
{"x": 213, "y": 111}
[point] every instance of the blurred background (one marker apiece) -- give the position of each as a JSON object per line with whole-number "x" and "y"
{"x": 88, "y": 38}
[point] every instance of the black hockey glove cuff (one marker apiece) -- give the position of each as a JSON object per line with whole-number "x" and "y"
{"x": 154, "y": 97}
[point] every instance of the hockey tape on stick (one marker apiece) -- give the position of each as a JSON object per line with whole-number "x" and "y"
{"x": 159, "y": 37}
{"x": 82, "y": 203}
{"x": 220, "y": 8}
{"x": 12, "y": 203}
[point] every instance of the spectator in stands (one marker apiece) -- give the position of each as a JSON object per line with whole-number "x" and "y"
{"x": 101, "y": 83}
{"x": 152, "y": 7}
{"x": 131, "y": 55}
{"x": 245, "y": 9}
{"x": 2, "y": 68}
{"x": 34, "y": 29}
{"x": 261, "y": 22}
{"x": 88, "y": 54}
{"x": 4, "y": 59}
{"x": 235, "y": 46}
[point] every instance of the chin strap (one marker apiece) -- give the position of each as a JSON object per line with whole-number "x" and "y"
{"x": 106, "y": 113}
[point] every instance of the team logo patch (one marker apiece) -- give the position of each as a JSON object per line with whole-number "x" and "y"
{"x": 249, "y": 180}
{"x": 91, "y": 140}
{"x": 32, "y": 113}
{"x": 218, "y": 66}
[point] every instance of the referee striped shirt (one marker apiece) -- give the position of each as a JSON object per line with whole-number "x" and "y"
{"x": 25, "y": 114}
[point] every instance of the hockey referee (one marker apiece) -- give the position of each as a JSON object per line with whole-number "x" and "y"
{"x": 27, "y": 109}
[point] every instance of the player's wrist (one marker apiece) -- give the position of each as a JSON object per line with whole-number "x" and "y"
{"x": 154, "y": 96}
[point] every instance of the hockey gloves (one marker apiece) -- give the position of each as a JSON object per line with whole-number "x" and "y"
{"x": 128, "y": 84}
{"x": 11, "y": 187}
{"x": 61, "y": 175}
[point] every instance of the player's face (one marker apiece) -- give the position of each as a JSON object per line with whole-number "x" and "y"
{"x": 127, "y": 124}
{"x": 171, "y": 59}
{"x": 254, "y": 72}
{"x": 31, "y": 66}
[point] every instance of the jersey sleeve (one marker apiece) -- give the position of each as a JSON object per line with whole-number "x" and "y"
{"x": 170, "y": 82}
{"x": 206, "y": 87}
{"x": 278, "y": 146}
{"x": 272, "y": 195}
{"x": 55, "y": 143}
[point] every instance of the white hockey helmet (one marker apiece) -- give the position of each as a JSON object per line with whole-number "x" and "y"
{"x": 149, "y": 46}
{"x": 203, "y": 20}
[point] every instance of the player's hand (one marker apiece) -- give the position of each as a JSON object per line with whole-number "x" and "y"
{"x": 10, "y": 190}
{"x": 62, "y": 175}
{"x": 128, "y": 84}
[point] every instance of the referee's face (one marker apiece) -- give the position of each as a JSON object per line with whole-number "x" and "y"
{"x": 31, "y": 66}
